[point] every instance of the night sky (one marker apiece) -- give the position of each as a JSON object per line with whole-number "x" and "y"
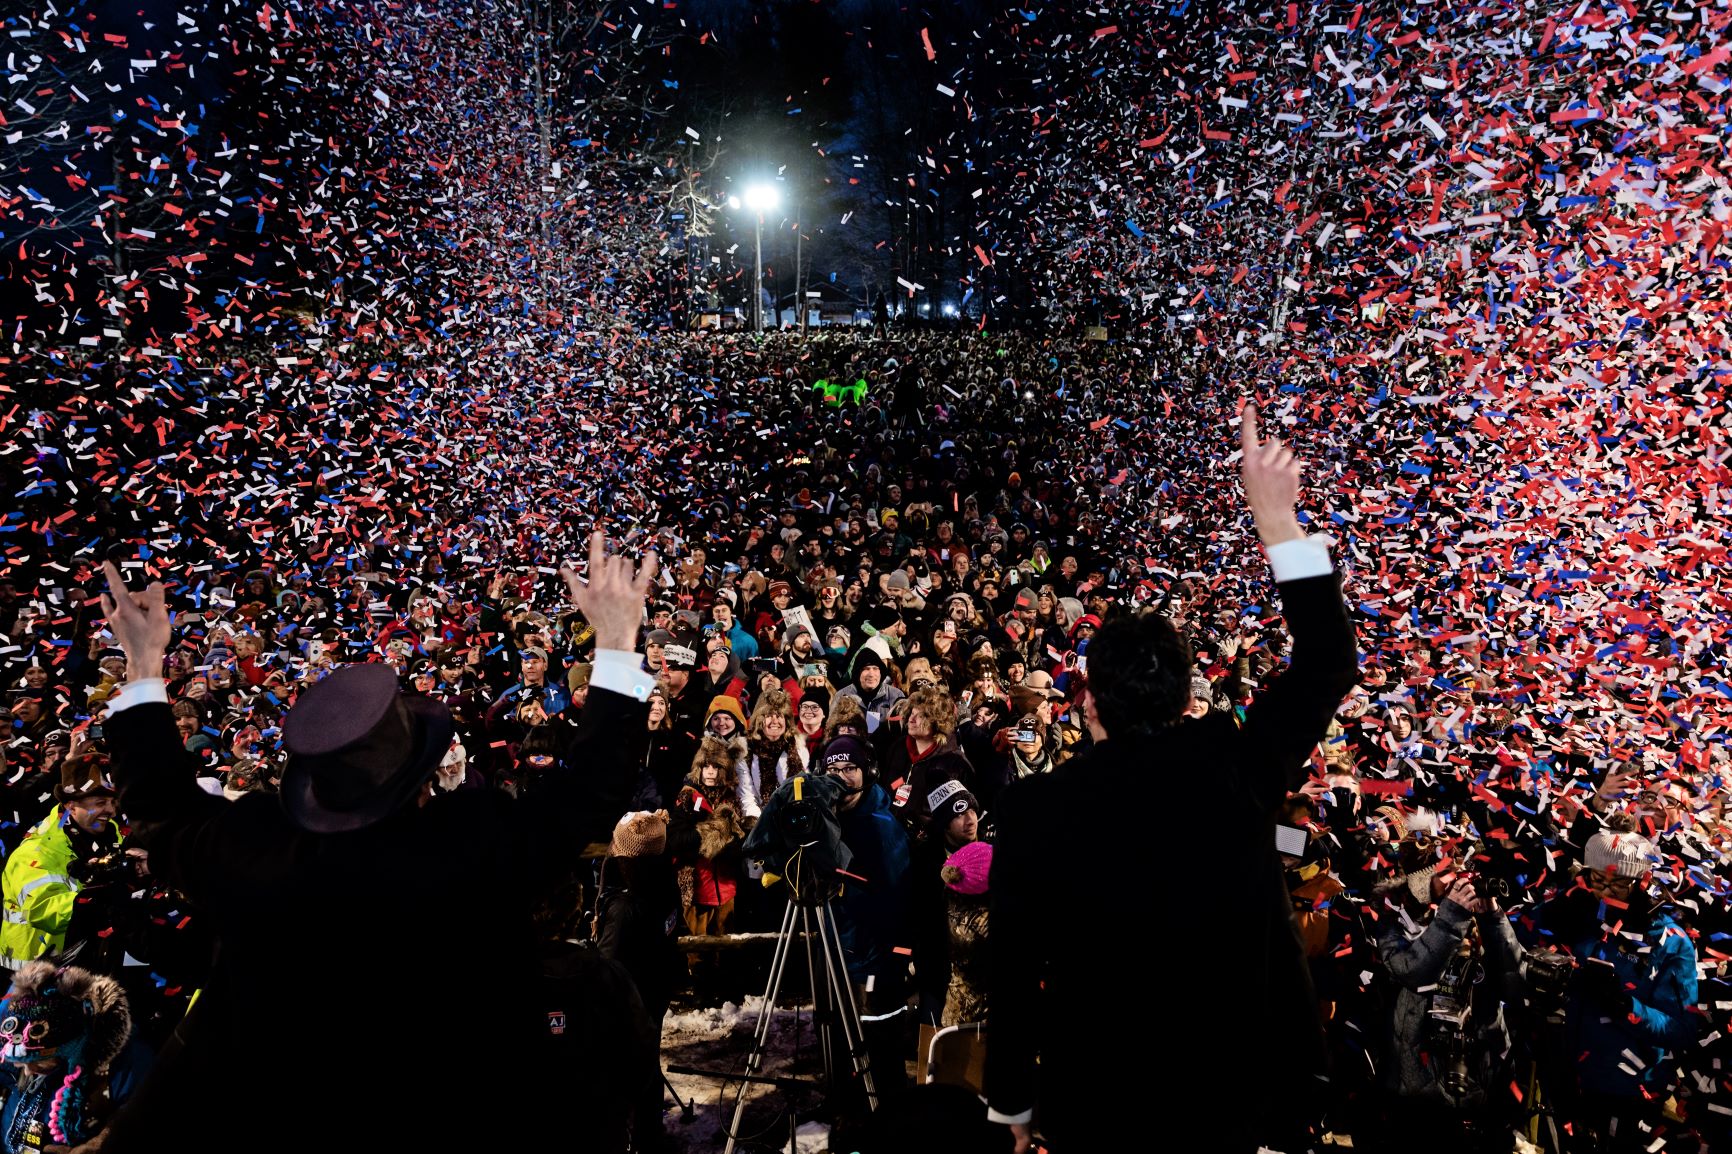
{"x": 842, "y": 104}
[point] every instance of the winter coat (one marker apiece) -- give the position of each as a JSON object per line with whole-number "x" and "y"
{"x": 910, "y": 776}
{"x": 40, "y": 891}
{"x": 873, "y": 915}
{"x": 553, "y": 695}
{"x": 965, "y": 997}
{"x": 882, "y": 698}
{"x": 948, "y": 932}
{"x": 637, "y": 924}
{"x": 26, "y": 1103}
{"x": 596, "y": 1041}
{"x": 704, "y": 837}
{"x": 1255, "y": 1011}
{"x": 991, "y": 764}
{"x": 664, "y": 756}
{"x": 744, "y": 645}
{"x": 1415, "y": 958}
{"x": 338, "y": 929}
{"x": 732, "y": 683}
{"x": 759, "y": 780}
{"x": 1661, "y": 982}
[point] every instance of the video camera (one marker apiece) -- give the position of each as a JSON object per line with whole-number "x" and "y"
{"x": 799, "y": 838}
{"x": 1549, "y": 973}
{"x": 1451, "y": 1013}
{"x": 1484, "y": 884}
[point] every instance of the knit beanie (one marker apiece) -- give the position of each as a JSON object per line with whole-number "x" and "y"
{"x": 969, "y": 869}
{"x": 1396, "y": 821}
{"x": 881, "y": 618}
{"x": 1621, "y": 854}
{"x": 640, "y": 834}
{"x": 868, "y": 657}
{"x": 946, "y": 800}
{"x": 723, "y": 703}
{"x": 850, "y": 751}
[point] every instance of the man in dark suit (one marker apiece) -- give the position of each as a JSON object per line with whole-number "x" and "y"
{"x": 376, "y": 985}
{"x": 1147, "y": 978}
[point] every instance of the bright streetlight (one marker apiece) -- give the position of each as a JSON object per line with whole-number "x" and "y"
{"x": 760, "y": 198}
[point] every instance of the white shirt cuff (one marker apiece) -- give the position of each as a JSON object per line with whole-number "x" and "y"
{"x": 1300, "y": 558}
{"x": 140, "y": 692}
{"x": 621, "y": 671}
{"x": 1021, "y": 1119}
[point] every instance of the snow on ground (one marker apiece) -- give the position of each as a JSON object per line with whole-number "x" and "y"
{"x": 720, "y": 1038}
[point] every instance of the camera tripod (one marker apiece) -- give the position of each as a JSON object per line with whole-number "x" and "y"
{"x": 833, "y": 1003}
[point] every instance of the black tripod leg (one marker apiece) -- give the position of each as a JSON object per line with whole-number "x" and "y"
{"x": 846, "y": 1009}
{"x": 823, "y": 1009}
{"x": 687, "y": 1109}
{"x": 761, "y": 1034}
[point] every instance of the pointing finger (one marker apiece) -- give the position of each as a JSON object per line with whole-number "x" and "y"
{"x": 597, "y": 551}
{"x": 647, "y": 573}
{"x": 1248, "y": 428}
{"x": 116, "y": 584}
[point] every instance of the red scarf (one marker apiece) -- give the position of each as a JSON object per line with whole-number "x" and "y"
{"x": 914, "y": 754}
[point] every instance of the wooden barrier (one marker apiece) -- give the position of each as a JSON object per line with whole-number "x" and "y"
{"x": 710, "y": 942}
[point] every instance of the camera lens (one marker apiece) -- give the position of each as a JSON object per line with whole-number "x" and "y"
{"x": 800, "y": 820}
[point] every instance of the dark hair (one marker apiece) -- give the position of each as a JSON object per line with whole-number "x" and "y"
{"x": 1139, "y": 673}
{"x": 541, "y": 742}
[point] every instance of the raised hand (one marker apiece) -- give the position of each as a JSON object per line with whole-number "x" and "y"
{"x": 1463, "y": 894}
{"x": 140, "y": 622}
{"x": 1271, "y": 475}
{"x": 1618, "y": 785}
{"x": 612, "y": 600}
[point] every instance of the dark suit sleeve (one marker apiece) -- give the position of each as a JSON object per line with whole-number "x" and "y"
{"x": 601, "y": 749}
{"x": 158, "y": 786}
{"x": 1286, "y": 721}
{"x": 1014, "y": 946}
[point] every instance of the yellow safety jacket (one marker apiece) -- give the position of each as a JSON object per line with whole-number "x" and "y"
{"x": 37, "y": 893}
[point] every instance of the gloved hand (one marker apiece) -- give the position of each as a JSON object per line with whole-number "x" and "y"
{"x": 106, "y": 869}
{"x": 1598, "y": 983}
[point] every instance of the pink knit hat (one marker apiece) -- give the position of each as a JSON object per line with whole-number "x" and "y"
{"x": 967, "y": 870}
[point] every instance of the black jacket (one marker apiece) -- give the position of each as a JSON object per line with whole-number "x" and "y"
{"x": 351, "y": 965}
{"x": 637, "y": 924}
{"x": 1175, "y": 829}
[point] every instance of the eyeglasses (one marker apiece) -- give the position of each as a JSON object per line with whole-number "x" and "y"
{"x": 1620, "y": 887}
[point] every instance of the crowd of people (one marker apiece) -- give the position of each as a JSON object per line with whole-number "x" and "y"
{"x": 901, "y": 592}
{"x": 1470, "y": 260}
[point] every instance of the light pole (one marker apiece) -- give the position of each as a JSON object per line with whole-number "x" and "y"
{"x": 760, "y": 198}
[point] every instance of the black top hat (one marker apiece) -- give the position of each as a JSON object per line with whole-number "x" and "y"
{"x": 358, "y": 749}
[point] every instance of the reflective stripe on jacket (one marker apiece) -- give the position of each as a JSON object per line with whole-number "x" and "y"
{"x": 38, "y": 893}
